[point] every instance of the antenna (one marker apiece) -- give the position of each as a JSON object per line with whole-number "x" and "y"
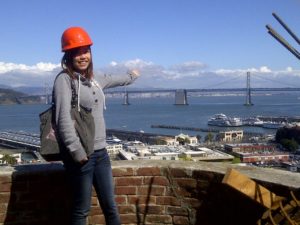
{"x": 280, "y": 39}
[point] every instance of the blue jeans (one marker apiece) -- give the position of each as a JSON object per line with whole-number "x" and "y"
{"x": 95, "y": 172}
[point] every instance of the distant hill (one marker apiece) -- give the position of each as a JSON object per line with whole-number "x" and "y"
{"x": 9, "y": 96}
{"x": 32, "y": 90}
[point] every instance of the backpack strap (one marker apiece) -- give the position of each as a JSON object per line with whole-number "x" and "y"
{"x": 74, "y": 99}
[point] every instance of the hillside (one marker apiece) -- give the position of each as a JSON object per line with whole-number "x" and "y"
{"x": 9, "y": 96}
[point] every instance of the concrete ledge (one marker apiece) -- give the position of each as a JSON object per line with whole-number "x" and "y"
{"x": 147, "y": 192}
{"x": 275, "y": 176}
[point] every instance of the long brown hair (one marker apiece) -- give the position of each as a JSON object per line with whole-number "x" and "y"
{"x": 67, "y": 64}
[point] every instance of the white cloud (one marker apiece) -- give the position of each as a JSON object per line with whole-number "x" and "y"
{"x": 12, "y": 74}
{"x": 192, "y": 74}
{"x": 8, "y": 67}
{"x": 264, "y": 69}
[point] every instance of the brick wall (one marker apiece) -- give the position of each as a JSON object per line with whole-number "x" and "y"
{"x": 147, "y": 192}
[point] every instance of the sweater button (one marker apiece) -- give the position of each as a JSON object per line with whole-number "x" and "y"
{"x": 96, "y": 100}
{"x": 94, "y": 93}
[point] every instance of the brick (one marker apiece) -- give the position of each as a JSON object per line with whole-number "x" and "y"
{"x": 183, "y": 192}
{"x": 188, "y": 183}
{"x": 155, "y": 191}
{"x": 179, "y": 211}
{"x": 128, "y": 181}
{"x": 180, "y": 172}
{"x": 120, "y": 200}
{"x": 151, "y": 209}
{"x": 180, "y": 220}
{"x": 195, "y": 203}
{"x": 2, "y": 217}
{"x": 167, "y": 200}
{"x": 5, "y": 186}
{"x": 125, "y": 190}
{"x": 156, "y": 180}
{"x": 5, "y": 179}
{"x": 96, "y": 219}
{"x": 158, "y": 219}
{"x": 148, "y": 171}
{"x": 137, "y": 200}
{"x": 95, "y": 210}
{"x": 94, "y": 201}
{"x": 126, "y": 209}
{"x": 3, "y": 207}
{"x": 203, "y": 175}
{"x": 4, "y": 197}
{"x": 121, "y": 172}
{"x": 203, "y": 185}
{"x": 129, "y": 218}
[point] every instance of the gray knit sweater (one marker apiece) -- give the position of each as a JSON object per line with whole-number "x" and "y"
{"x": 90, "y": 96}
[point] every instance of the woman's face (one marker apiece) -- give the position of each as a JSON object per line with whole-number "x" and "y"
{"x": 82, "y": 59}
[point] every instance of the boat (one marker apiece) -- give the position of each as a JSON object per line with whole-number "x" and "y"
{"x": 221, "y": 120}
{"x": 253, "y": 121}
{"x": 273, "y": 125}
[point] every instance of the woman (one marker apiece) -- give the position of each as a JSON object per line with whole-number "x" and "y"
{"x": 85, "y": 169}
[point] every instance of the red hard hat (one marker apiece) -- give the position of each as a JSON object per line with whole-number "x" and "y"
{"x": 74, "y": 37}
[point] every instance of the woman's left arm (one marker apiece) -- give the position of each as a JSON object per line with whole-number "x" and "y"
{"x": 108, "y": 81}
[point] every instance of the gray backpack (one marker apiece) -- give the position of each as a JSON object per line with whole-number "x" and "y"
{"x": 51, "y": 146}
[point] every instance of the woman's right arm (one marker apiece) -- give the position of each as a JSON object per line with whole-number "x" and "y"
{"x": 64, "y": 122}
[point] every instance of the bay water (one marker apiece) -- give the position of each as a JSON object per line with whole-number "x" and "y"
{"x": 144, "y": 112}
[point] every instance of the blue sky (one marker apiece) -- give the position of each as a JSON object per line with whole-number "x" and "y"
{"x": 174, "y": 43}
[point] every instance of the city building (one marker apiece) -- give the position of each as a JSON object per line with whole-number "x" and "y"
{"x": 250, "y": 147}
{"x": 206, "y": 154}
{"x": 257, "y": 152}
{"x": 231, "y": 136}
{"x": 263, "y": 157}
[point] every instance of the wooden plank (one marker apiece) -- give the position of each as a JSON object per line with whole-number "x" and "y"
{"x": 250, "y": 188}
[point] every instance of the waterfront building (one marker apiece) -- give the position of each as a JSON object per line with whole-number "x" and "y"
{"x": 250, "y": 147}
{"x": 114, "y": 149}
{"x": 169, "y": 140}
{"x": 231, "y": 136}
{"x": 263, "y": 158}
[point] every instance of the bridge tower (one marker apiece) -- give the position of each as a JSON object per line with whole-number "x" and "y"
{"x": 126, "y": 98}
{"x": 48, "y": 97}
{"x": 248, "y": 91}
{"x": 181, "y": 97}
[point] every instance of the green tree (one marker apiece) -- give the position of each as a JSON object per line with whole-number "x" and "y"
{"x": 187, "y": 140}
{"x": 236, "y": 160}
{"x": 289, "y": 144}
{"x": 198, "y": 137}
{"x": 209, "y": 137}
{"x": 10, "y": 160}
{"x": 181, "y": 140}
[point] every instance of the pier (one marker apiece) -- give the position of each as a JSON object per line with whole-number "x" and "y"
{"x": 213, "y": 130}
{"x": 20, "y": 140}
{"x": 149, "y": 138}
{"x": 29, "y": 141}
{"x": 186, "y": 128}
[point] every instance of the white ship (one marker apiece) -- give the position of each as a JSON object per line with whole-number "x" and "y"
{"x": 253, "y": 121}
{"x": 273, "y": 125}
{"x": 221, "y": 120}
